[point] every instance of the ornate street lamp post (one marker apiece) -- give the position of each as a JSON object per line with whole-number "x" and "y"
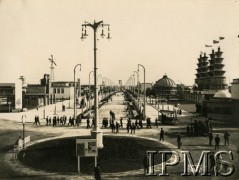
{"x": 96, "y": 133}
{"x": 137, "y": 86}
{"x": 144, "y": 113}
{"x": 23, "y": 129}
{"x": 75, "y": 89}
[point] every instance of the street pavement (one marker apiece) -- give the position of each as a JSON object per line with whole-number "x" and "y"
{"x": 11, "y": 128}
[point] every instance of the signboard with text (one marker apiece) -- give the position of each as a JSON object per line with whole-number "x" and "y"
{"x": 86, "y": 147}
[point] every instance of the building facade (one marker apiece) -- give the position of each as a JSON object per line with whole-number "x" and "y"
{"x": 165, "y": 88}
{"x": 209, "y": 79}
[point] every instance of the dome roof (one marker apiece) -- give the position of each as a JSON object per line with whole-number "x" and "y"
{"x": 195, "y": 85}
{"x": 222, "y": 94}
{"x": 165, "y": 82}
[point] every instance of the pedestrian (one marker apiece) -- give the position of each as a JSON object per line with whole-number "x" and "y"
{"x": 77, "y": 121}
{"x": 121, "y": 122}
{"x": 35, "y": 120}
{"x": 61, "y": 120}
{"x": 210, "y": 136}
{"x": 54, "y": 121}
{"x": 140, "y": 124}
{"x": 73, "y": 121}
{"x": 179, "y": 140}
{"x": 128, "y": 126}
{"x": 97, "y": 172}
{"x": 180, "y": 111}
{"x": 212, "y": 161}
{"x": 188, "y": 130}
{"x": 117, "y": 127}
{"x": 191, "y": 129}
{"x": 69, "y": 122}
{"x": 19, "y": 143}
{"x": 161, "y": 135}
{"x": 93, "y": 122}
{"x": 88, "y": 122}
{"x": 133, "y": 127}
{"x": 58, "y": 120}
{"x": 112, "y": 127}
{"x": 217, "y": 142}
{"x": 149, "y": 123}
{"x": 210, "y": 124}
{"x": 64, "y": 117}
{"x": 156, "y": 122}
{"x": 137, "y": 123}
{"x": 226, "y": 138}
{"x": 38, "y": 120}
{"x": 47, "y": 120}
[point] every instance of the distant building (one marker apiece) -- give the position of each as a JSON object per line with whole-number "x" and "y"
{"x": 220, "y": 106}
{"x": 209, "y": 79}
{"x": 7, "y": 95}
{"x": 65, "y": 89}
{"x": 147, "y": 86}
{"x": 165, "y": 87}
{"x": 235, "y": 100}
{"x": 39, "y": 94}
{"x": 235, "y": 89}
{"x": 210, "y": 92}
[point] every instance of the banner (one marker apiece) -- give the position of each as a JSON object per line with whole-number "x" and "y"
{"x": 208, "y": 45}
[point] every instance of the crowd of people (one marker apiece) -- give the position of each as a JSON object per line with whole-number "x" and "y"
{"x": 199, "y": 127}
{"x": 59, "y": 121}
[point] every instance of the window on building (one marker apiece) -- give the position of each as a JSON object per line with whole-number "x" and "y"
{"x": 227, "y": 110}
{"x": 54, "y": 90}
{"x": 58, "y": 90}
{"x": 217, "y": 110}
{"x": 62, "y": 90}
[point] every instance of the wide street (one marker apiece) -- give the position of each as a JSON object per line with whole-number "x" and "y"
{"x": 11, "y": 129}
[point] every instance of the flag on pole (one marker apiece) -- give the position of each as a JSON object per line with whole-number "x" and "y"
{"x": 206, "y": 45}
{"x": 215, "y": 41}
{"x": 221, "y": 38}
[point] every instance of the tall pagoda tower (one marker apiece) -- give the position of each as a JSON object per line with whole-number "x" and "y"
{"x": 202, "y": 72}
{"x": 217, "y": 80}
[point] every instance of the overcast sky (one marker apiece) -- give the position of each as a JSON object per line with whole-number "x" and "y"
{"x": 164, "y": 36}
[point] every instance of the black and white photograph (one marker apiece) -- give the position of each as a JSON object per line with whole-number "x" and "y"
{"x": 119, "y": 89}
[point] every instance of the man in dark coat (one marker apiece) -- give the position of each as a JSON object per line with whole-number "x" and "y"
{"x": 179, "y": 140}
{"x": 88, "y": 123}
{"x": 161, "y": 135}
{"x": 97, "y": 172}
{"x": 217, "y": 142}
{"x": 226, "y": 138}
{"x": 210, "y": 136}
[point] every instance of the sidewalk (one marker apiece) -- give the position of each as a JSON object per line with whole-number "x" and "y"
{"x": 49, "y": 111}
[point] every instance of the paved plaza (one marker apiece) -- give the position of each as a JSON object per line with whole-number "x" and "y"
{"x": 11, "y": 128}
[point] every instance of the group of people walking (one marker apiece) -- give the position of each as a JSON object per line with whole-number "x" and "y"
{"x": 59, "y": 121}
